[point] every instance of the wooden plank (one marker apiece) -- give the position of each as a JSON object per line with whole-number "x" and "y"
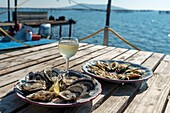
{"x": 154, "y": 98}
{"x": 26, "y": 58}
{"x": 126, "y": 55}
{"x": 122, "y": 96}
{"x": 140, "y": 57}
{"x": 168, "y": 105}
{"x": 29, "y": 50}
{"x": 8, "y": 89}
{"x": 111, "y": 55}
{"x": 30, "y": 59}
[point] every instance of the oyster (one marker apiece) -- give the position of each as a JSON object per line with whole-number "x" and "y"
{"x": 66, "y": 81}
{"x": 88, "y": 83}
{"x": 113, "y": 66}
{"x": 93, "y": 69}
{"x": 32, "y": 86}
{"x": 35, "y": 76}
{"x": 67, "y": 95}
{"x": 52, "y": 74}
{"x": 133, "y": 76}
{"x": 135, "y": 70}
{"x": 44, "y": 96}
{"x": 122, "y": 68}
{"x": 122, "y": 76}
{"x": 77, "y": 89}
{"x": 58, "y": 100}
{"x": 128, "y": 76}
{"x": 103, "y": 66}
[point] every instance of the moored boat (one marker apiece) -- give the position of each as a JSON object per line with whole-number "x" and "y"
{"x": 19, "y": 36}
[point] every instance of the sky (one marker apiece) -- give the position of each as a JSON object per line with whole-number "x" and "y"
{"x": 129, "y": 4}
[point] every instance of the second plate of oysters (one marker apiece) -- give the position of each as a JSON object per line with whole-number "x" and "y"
{"x": 50, "y": 87}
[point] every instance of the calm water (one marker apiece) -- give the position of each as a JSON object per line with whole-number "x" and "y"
{"x": 147, "y": 30}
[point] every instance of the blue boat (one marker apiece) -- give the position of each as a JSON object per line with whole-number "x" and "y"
{"x": 26, "y": 38}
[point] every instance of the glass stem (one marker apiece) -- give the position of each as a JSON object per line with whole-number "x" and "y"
{"x": 67, "y": 65}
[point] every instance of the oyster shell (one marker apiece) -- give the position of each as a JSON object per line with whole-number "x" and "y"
{"x": 88, "y": 83}
{"x": 103, "y": 66}
{"x": 32, "y": 86}
{"x": 52, "y": 74}
{"x": 67, "y": 95}
{"x": 67, "y": 81}
{"x": 122, "y": 68}
{"x": 78, "y": 89}
{"x": 135, "y": 70}
{"x": 44, "y": 96}
{"x": 113, "y": 66}
{"x": 35, "y": 76}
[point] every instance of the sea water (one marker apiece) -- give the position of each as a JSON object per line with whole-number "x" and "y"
{"x": 149, "y": 31}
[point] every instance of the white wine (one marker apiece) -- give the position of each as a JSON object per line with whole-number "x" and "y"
{"x": 68, "y": 49}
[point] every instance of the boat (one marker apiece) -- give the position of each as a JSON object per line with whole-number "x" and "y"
{"x": 19, "y": 36}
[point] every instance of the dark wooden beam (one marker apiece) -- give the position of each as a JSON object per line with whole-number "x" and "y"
{"x": 108, "y": 13}
{"x": 16, "y": 12}
{"x": 106, "y": 32}
{"x": 8, "y": 10}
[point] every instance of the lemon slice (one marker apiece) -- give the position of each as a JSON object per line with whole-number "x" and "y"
{"x": 51, "y": 88}
{"x": 56, "y": 87}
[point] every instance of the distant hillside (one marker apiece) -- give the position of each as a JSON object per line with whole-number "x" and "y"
{"x": 91, "y": 6}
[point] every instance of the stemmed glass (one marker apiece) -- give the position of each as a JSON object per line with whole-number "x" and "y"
{"x": 68, "y": 47}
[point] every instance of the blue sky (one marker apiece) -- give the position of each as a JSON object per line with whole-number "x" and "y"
{"x": 130, "y": 4}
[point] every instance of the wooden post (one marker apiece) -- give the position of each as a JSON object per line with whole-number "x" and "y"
{"x": 106, "y": 32}
{"x": 70, "y": 27}
{"x": 60, "y": 31}
{"x": 8, "y": 10}
{"x": 16, "y": 12}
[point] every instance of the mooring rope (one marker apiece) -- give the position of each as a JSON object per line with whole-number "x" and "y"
{"x": 92, "y": 34}
{"x": 115, "y": 33}
{"x": 13, "y": 38}
{"x": 120, "y": 37}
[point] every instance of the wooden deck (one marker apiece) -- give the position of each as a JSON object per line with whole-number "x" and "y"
{"x": 38, "y": 23}
{"x": 154, "y": 97}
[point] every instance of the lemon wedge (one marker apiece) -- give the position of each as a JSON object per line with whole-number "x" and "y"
{"x": 56, "y": 87}
{"x": 51, "y": 88}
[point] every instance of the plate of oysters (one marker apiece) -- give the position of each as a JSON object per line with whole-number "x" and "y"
{"x": 117, "y": 71}
{"x": 51, "y": 87}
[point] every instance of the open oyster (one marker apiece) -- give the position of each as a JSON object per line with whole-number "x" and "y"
{"x": 32, "y": 86}
{"x": 51, "y": 73}
{"x": 44, "y": 96}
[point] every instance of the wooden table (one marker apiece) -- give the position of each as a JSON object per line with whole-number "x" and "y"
{"x": 115, "y": 98}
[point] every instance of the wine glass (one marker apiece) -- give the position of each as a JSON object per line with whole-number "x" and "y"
{"x": 68, "y": 47}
